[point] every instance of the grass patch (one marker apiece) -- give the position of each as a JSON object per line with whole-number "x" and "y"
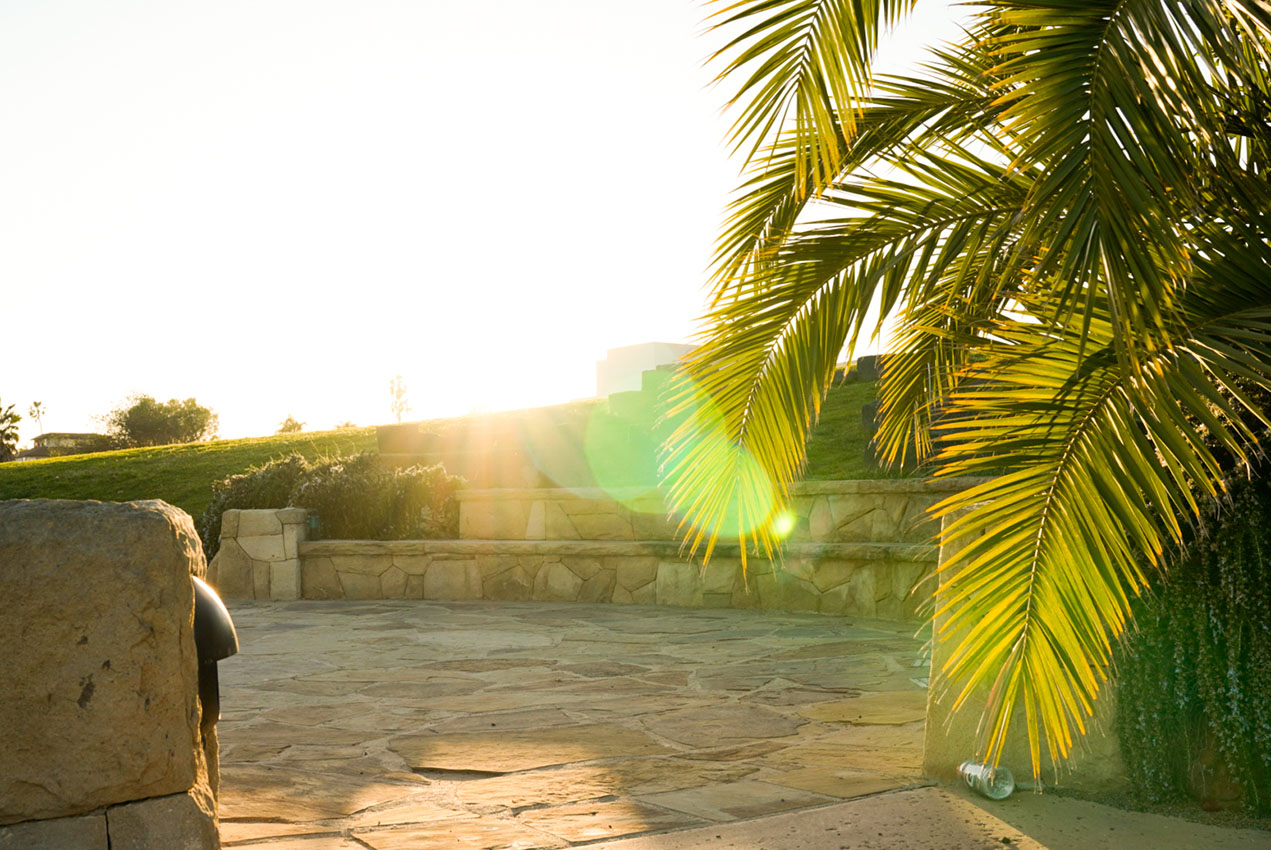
{"x": 836, "y": 446}
{"x": 182, "y": 475}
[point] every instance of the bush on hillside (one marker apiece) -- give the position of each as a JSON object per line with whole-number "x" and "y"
{"x": 266, "y": 486}
{"x": 355, "y": 497}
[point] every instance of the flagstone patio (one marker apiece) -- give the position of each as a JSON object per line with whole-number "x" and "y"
{"x": 421, "y": 725}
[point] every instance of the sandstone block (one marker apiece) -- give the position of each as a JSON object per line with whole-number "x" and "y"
{"x": 720, "y": 575}
{"x": 292, "y": 516}
{"x": 557, "y": 525}
{"x": 360, "y": 586}
{"x": 598, "y": 588}
{"x": 798, "y": 595}
{"x": 412, "y": 565}
{"x": 633, "y": 572}
{"x": 831, "y": 574}
{"x": 861, "y": 594}
{"x": 820, "y": 521}
{"x": 229, "y": 523}
{"x": 178, "y": 821}
{"x": 678, "y": 583}
{"x": 603, "y": 526}
{"x": 319, "y": 580}
{"x": 100, "y": 705}
{"x": 74, "y": 833}
{"x": 535, "y": 522}
{"x": 284, "y": 579}
{"x": 293, "y": 535}
{"x": 582, "y": 566}
{"x": 367, "y": 565}
{"x": 453, "y": 580}
{"x": 414, "y": 587}
{"x": 557, "y": 583}
{"x": 651, "y": 526}
{"x": 494, "y": 519}
{"x": 263, "y": 547}
{"x": 515, "y": 584}
{"x": 260, "y": 579}
{"x": 393, "y": 583}
{"x": 231, "y": 571}
{"x": 853, "y": 516}
{"x": 259, "y": 523}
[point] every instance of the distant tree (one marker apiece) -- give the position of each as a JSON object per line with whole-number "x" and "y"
{"x": 291, "y": 426}
{"x": 397, "y": 389}
{"x": 346, "y": 425}
{"x": 37, "y": 413}
{"x": 9, "y": 420}
{"x": 142, "y": 421}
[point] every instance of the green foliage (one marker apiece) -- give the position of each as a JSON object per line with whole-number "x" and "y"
{"x": 9, "y": 420}
{"x": 1063, "y": 219}
{"x": 267, "y": 486}
{"x": 355, "y": 497}
{"x": 142, "y": 421}
{"x": 1196, "y": 676}
{"x": 291, "y": 425}
{"x": 180, "y": 475}
{"x": 358, "y": 498}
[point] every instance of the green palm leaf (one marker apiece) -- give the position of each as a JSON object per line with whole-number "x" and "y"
{"x": 1067, "y": 216}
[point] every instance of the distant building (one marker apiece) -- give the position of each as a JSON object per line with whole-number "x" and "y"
{"x": 62, "y": 443}
{"x": 621, "y": 369}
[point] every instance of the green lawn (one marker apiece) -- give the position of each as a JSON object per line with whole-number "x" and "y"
{"x": 183, "y": 475}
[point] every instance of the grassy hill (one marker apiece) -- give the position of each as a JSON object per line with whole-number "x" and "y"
{"x": 182, "y": 475}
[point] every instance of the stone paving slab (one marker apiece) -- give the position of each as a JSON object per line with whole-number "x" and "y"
{"x": 395, "y": 724}
{"x": 952, "y": 819}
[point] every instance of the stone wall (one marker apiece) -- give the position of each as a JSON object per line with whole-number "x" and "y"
{"x": 99, "y": 724}
{"x": 857, "y": 547}
{"x": 880, "y": 511}
{"x": 259, "y": 555}
{"x": 861, "y": 579}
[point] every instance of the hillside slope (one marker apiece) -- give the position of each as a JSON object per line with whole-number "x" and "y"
{"x": 183, "y": 474}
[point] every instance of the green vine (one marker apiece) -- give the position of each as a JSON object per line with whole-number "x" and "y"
{"x": 1194, "y": 694}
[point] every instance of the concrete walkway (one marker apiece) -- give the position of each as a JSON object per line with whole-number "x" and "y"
{"x": 474, "y": 726}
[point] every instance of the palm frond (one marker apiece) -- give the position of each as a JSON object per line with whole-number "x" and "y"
{"x": 1104, "y": 464}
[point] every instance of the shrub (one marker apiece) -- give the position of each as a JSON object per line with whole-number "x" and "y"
{"x": 355, "y": 497}
{"x": 1193, "y": 712}
{"x": 267, "y": 486}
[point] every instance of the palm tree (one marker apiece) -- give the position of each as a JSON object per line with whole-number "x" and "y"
{"x": 1066, "y": 215}
{"x": 37, "y": 413}
{"x": 9, "y": 420}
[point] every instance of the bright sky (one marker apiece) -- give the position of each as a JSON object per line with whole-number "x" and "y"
{"x": 275, "y": 206}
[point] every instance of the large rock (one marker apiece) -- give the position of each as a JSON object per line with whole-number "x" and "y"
{"x": 100, "y": 677}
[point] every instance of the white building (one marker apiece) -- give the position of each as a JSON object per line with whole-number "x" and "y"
{"x": 621, "y": 369}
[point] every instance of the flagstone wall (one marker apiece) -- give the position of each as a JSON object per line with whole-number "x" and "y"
{"x": 856, "y": 547}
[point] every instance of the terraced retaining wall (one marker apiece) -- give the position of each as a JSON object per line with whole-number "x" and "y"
{"x": 857, "y": 547}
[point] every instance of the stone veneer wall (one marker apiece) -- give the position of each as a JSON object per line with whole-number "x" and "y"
{"x": 858, "y": 547}
{"x": 863, "y": 579}
{"x": 259, "y": 555}
{"x": 870, "y": 511}
{"x": 100, "y": 745}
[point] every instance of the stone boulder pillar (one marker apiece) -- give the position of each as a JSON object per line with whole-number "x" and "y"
{"x": 99, "y": 719}
{"x": 259, "y": 557}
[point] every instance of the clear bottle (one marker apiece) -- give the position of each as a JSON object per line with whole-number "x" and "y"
{"x": 994, "y": 783}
